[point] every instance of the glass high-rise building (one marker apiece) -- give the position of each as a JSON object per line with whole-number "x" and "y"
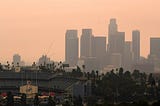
{"x": 71, "y": 47}
{"x": 86, "y": 43}
{"x": 136, "y": 46}
{"x": 155, "y": 47}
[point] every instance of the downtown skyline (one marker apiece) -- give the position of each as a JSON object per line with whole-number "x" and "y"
{"x": 29, "y": 29}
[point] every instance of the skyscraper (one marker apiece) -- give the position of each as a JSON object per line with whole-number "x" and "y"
{"x": 71, "y": 47}
{"x": 116, "y": 41}
{"x": 112, "y": 31}
{"x": 86, "y": 43}
{"x": 155, "y": 47}
{"x": 99, "y": 46}
{"x": 99, "y": 50}
{"x": 136, "y": 46}
{"x": 128, "y": 55}
{"x": 112, "y": 28}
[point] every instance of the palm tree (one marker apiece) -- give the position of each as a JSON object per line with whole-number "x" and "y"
{"x": 88, "y": 75}
{"x": 17, "y": 64}
{"x": 34, "y": 64}
{"x": 13, "y": 67}
{"x": 97, "y": 73}
{"x": 121, "y": 72}
{"x": 83, "y": 66}
{"x": 8, "y": 65}
{"x": 136, "y": 74}
{"x": 93, "y": 74}
{"x": 53, "y": 66}
{"x": 36, "y": 100}
{"x": 10, "y": 99}
{"x": 23, "y": 99}
{"x": 1, "y": 67}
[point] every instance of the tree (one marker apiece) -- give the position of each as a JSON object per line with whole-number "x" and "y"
{"x": 23, "y": 99}
{"x": 121, "y": 72}
{"x": 93, "y": 74}
{"x": 143, "y": 78}
{"x": 10, "y": 100}
{"x": 76, "y": 72}
{"x": 88, "y": 75}
{"x": 13, "y": 68}
{"x": 51, "y": 102}
{"x": 17, "y": 64}
{"x": 117, "y": 86}
{"x": 36, "y": 100}
{"x": 66, "y": 103}
{"x": 80, "y": 101}
{"x": 97, "y": 73}
{"x": 83, "y": 66}
{"x": 151, "y": 80}
{"x": 127, "y": 74}
{"x": 8, "y": 65}
{"x": 78, "y": 69}
{"x": 136, "y": 74}
{"x": 1, "y": 67}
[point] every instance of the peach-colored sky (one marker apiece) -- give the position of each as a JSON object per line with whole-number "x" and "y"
{"x": 29, "y": 27}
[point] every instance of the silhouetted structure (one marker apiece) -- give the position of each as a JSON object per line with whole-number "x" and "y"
{"x": 136, "y": 46}
{"x": 128, "y": 55}
{"x": 10, "y": 100}
{"x": 155, "y": 47}
{"x": 116, "y": 42}
{"x": 99, "y": 50}
{"x": 86, "y": 43}
{"x": 71, "y": 47}
{"x": 36, "y": 100}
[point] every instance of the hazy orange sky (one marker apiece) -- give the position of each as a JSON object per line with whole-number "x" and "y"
{"x": 29, "y": 27}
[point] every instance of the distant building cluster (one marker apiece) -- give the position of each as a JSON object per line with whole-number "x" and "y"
{"x": 97, "y": 54}
{"x": 91, "y": 52}
{"x": 17, "y": 60}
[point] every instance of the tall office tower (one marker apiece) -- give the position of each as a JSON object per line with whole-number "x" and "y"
{"x": 71, "y": 47}
{"x": 116, "y": 43}
{"x": 99, "y": 50}
{"x": 128, "y": 55}
{"x": 99, "y": 46}
{"x": 154, "y": 57}
{"x": 155, "y": 47}
{"x": 112, "y": 28}
{"x": 112, "y": 31}
{"x": 116, "y": 40}
{"x": 136, "y": 46}
{"x": 119, "y": 43}
{"x": 16, "y": 59}
{"x": 86, "y": 43}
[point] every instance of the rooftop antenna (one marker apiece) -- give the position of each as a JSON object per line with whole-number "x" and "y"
{"x": 49, "y": 48}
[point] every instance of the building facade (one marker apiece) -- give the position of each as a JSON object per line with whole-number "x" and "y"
{"x": 136, "y": 46}
{"x": 71, "y": 47}
{"x": 86, "y": 43}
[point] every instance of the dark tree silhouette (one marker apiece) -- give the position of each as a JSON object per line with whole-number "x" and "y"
{"x": 51, "y": 102}
{"x": 1, "y": 67}
{"x": 10, "y": 100}
{"x": 23, "y": 99}
{"x": 36, "y": 100}
{"x": 97, "y": 74}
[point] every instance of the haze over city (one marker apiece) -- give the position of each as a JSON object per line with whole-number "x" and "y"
{"x": 35, "y": 27}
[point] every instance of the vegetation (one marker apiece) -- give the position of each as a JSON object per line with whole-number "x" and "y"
{"x": 115, "y": 88}
{"x": 118, "y": 87}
